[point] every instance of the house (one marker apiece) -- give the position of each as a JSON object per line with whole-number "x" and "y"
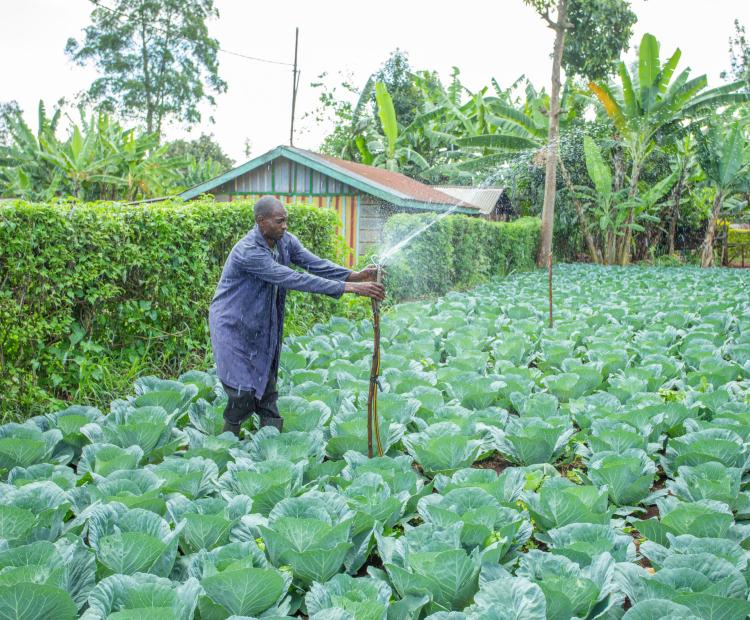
{"x": 362, "y": 196}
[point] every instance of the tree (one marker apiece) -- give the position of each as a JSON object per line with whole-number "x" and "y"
{"x": 350, "y": 120}
{"x": 155, "y": 58}
{"x": 650, "y": 104}
{"x": 197, "y": 160}
{"x": 8, "y": 111}
{"x": 724, "y": 155}
{"x": 396, "y": 74}
{"x": 98, "y": 160}
{"x": 739, "y": 55}
{"x": 595, "y": 41}
{"x": 201, "y": 149}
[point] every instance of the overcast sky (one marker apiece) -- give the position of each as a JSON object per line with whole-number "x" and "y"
{"x": 501, "y": 39}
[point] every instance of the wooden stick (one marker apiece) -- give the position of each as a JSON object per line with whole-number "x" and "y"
{"x": 549, "y": 273}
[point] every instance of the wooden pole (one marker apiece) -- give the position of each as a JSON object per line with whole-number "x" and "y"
{"x": 295, "y": 83}
{"x": 549, "y": 276}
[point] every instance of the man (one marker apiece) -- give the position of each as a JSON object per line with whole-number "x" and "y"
{"x": 246, "y": 317}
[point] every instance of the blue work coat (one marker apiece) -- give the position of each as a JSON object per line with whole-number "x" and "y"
{"x": 245, "y": 332}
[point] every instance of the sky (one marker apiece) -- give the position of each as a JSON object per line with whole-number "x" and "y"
{"x": 485, "y": 39}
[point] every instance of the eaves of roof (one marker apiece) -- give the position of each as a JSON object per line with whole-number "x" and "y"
{"x": 345, "y": 174}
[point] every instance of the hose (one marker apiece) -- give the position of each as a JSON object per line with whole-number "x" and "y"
{"x": 372, "y": 396}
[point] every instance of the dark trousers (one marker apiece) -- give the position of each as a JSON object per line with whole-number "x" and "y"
{"x": 242, "y": 404}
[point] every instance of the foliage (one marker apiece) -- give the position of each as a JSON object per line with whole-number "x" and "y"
{"x": 651, "y": 104}
{"x": 202, "y": 148}
{"x": 94, "y": 294}
{"x": 739, "y": 54}
{"x": 148, "y": 511}
{"x": 99, "y": 160}
{"x": 201, "y": 159}
{"x": 396, "y": 75}
{"x": 723, "y": 152}
{"x": 600, "y": 31}
{"x": 8, "y": 111}
{"x": 455, "y": 252}
{"x": 156, "y": 59}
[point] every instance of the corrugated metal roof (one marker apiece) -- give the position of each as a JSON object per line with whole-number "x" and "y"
{"x": 392, "y": 187}
{"x": 483, "y": 198}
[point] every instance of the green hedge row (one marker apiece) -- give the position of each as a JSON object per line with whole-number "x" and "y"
{"x": 93, "y": 295}
{"x": 455, "y": 252}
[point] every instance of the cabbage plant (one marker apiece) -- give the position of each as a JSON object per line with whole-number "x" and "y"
{"x": 528, "y": 441}
{"x": 428, "y": 560}
{"x": 311, "y": 534}
{"x": 441, "y": 448}
{"x": 484, "y": 521}
{"x": 569, "y": 590}
{"x": 559, "y": 502}
{"x": 628, "y": 475}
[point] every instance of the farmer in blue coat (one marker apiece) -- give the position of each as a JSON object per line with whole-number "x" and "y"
{"x": 246, "y": 317}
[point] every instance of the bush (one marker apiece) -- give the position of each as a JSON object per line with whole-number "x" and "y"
{"x": 455, "y": 252}
{"x": 93, "y": 295}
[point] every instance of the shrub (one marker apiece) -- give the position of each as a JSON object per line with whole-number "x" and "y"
{"x": 94, "y": 294}
{"x": 455, "y": 252}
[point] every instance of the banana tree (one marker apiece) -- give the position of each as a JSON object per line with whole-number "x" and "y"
{"x": 607, "y": 212}
{"x": 23, "y": 172}
{"x": 683, "y": 160}
{"x": 392, "y": 149}
{"x": 649, "y": 102}
{"x": 724, "y": 155}
{"x": 79, "y": 159}
{"x": 99, "y": 160}
{"x": 521, "y": 130}
{"x": 611, "y": 209}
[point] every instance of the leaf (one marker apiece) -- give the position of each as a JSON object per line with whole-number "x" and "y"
{"x": 27, "y": 601}
{"x": 244, "y": 592}
{"x": 387, "y": 115}
{"x": 648, "y": 71}
{"x": 597, "y": 168}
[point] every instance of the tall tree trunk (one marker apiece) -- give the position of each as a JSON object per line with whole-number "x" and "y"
{"x": 594, "y": 252}
{"x": 147, "y": 76}
{"x": 550, "y": 177}
{"x": 624, "y": 253}
{"x": 707, "y": 255}
{"x": 676, "y": 199}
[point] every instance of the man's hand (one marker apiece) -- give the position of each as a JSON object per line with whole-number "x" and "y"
{"x": 373, "y": 290}
{"x": 368, "y": 274}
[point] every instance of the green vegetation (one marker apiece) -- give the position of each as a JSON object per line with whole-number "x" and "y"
{"x": 531, "y": 471}
{"x": 94, "y": 295}
{"x": 156, "y": 60}
{"x": 498, "y": 136}
{"x": 456, "y": 252}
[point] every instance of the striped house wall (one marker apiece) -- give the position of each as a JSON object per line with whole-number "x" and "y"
{"x": 292, "y": 182}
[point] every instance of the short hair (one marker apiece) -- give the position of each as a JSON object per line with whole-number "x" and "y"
{"x": 266, "y": 206}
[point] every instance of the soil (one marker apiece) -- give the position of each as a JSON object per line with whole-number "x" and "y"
{"x": 374, "y": 561}
{"x": 576, "y": 464}
{"x": 496, "y": 462}
{"x": 661, "y": 480}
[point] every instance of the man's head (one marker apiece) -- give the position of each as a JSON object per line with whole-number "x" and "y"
{"x": 270, "y": 215}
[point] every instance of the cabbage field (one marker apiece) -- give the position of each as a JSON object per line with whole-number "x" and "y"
{"x": 596, "y": 469}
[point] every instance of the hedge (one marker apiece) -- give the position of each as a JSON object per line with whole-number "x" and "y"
{"x": 455, "y": 252}
{"x": 93, "y": 295}
{"x": 739, "y": 241}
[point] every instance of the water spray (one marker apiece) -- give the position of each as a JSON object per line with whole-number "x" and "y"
{"x": 372, "y": 395}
